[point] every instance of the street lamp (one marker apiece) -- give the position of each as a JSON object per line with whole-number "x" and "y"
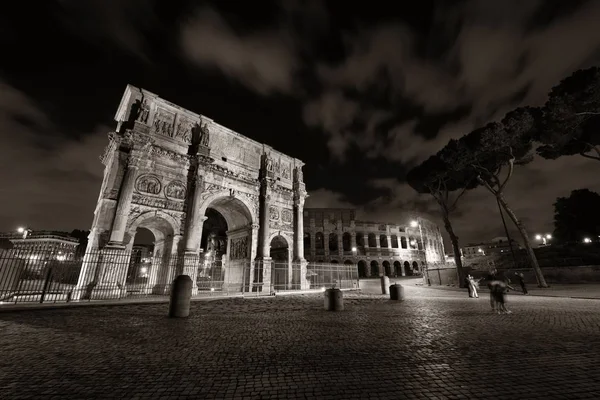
{"x": 543, "y": 238}
{"x": 481, "y": 251}
{"x": 587, "y": 240}
{"x": 24, "y": 231}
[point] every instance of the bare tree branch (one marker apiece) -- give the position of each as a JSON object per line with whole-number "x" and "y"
{"x": 588, "y": 156}
{"x": 487, "y": 185}
{"x": 463, "y": 191}
{"x": 511, "y": 168}
{"x": 588, "y": 113}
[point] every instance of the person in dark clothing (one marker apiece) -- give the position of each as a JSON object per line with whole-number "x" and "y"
{"x": 521, "y": 279}
{"x": 490, "y": 279}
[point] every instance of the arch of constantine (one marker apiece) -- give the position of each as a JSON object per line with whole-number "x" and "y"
{"x": 202, "y": 190}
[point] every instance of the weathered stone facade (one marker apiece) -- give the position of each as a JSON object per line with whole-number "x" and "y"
{"x": 333, "y": 235}
{"x": 164, "y": 168}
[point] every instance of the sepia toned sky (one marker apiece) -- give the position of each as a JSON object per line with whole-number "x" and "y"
{"x": 361, "y": 94}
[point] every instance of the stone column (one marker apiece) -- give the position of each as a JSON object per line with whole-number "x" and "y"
{"x": 340, "y": 239}
{"x": 299, "y": 230}
{"x": 353, "y": 242}
{"x": 193, "y": 234}
{"x": 389, "y": 241}
{"x": 366, "y": 240}
{"x": 326, "y": 242}
{"x": 124, "y": 202}
{"x": 313, "y": 243}
{"x": 263, "y": 259}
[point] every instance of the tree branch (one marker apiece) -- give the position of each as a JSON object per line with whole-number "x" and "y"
{"x": 588, "y": 113}
{"x": 487, "y": 185}
{"x": 588, "y": 156}
{"x": 511, "y": 168}
{"x": 463, "y": 191}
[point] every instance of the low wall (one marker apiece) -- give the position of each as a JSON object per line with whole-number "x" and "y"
{"x": 442, "y": 276}
{"x": 581, "y": 274}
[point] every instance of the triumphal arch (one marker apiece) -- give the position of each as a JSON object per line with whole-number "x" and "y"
{"x": 200, "y": 188}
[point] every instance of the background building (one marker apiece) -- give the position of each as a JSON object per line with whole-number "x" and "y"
{"x": 333, "y": 235}
{"x": 496, "y": 246}
{"x": 40, "y": 247}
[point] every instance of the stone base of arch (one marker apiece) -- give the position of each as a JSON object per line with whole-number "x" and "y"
{"x": 110, "y": 275}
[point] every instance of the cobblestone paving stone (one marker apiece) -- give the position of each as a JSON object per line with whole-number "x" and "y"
{"x": 434, "y": 345}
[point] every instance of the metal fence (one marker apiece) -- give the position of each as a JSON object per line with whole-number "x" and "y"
{"x": 45, "y": 276}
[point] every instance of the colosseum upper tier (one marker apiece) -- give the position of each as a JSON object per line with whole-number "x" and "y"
{"x": 333, "y": 235}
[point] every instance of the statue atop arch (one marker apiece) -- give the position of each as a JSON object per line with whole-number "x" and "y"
{"x": 153, "y": 179}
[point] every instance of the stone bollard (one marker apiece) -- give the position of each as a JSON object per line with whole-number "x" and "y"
{"x": 181, "y": 295}
{"x": 385, "y": 283}
{"x": 334, "y": 300}
{"x": 397, "y": 292}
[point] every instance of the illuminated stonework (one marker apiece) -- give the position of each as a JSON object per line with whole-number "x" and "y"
{"x": 334, "y": 235}
{"x": 165, "y": 167}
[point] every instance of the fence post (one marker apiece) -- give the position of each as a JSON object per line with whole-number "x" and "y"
{"x": 46, "y": 284}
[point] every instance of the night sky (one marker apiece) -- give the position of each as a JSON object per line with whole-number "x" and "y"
{"x": 359, "y": 91}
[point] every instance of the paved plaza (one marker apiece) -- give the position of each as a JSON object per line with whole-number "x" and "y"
{"x": 435, "y": 345}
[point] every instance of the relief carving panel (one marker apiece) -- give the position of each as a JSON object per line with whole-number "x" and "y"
{"x": 239, "y": 248}
{"x": 175, "y": 190}
{"x": 163, "y": 122}
{"x": 273, "y": 213}
{"x": 286, "y": 216}
{"x": 149, "y": 184}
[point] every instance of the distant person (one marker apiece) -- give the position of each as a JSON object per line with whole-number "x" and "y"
{"x": 473, "y": 285}
{"x": 521, "y": 279}
{"x": 468, "y": 285}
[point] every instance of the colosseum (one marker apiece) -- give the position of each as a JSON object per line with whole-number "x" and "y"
{"x": 333, "y": 235}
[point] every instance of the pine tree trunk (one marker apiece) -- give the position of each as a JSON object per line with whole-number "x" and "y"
{"x": 532, "y": 258}
{"x": 455, "y": 248}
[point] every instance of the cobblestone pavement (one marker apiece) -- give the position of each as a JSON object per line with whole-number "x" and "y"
{"x": 434, "y": 345}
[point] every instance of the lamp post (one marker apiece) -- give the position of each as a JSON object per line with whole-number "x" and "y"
{"x": 24, "y": 231}
{"x": 544, "y": 238}
{"x": 414, "y": 224}
{"x": 587, "y": 240}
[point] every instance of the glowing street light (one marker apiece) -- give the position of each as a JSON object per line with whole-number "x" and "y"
{"x": 481, "y": 251}
{"x": 587, "y": 240}
{"x": 414, "y": 223}
{"x": 24, "y": 231}
{"x": 354, "y": 249}
{"x": 543, "y": 238}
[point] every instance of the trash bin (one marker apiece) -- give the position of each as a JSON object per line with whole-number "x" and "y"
{"x": 397, "y": 292}
{"x": 334, "y": 300}
{"x": 385, "y": 283}
{"x": 181, "y": 295}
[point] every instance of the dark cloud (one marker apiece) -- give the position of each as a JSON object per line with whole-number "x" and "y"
{"x": 53, "y": 182}
{"x": 363, "y": 94}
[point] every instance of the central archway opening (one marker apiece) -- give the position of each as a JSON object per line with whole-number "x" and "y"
{"x": 226, "y": 245}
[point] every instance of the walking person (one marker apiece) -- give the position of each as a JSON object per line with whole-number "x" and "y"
{"x": 473, "y": 287}
{"x": 498, "y": 290}
{"x": 468, "y": 285}
{"x": 521, "y": 279}
{"x": 491, "y": 279}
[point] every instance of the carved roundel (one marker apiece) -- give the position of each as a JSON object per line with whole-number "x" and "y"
{"x": 148, "y": 184}
{"x": 286, "y": 216}
{"x": 175, "y": 190}
{"x": 273, "y": 213}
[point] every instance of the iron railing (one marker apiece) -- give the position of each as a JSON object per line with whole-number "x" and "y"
{"x": 45, "y": 275}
